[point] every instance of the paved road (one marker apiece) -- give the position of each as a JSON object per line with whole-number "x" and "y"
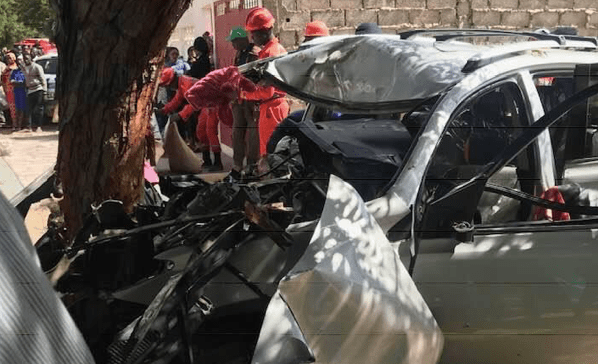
{"x": 28, "y": 154}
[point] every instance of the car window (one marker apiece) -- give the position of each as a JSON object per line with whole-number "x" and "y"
{"x": 480, "y": 129}
{"x": 49, "y": 65}
{"x": 576, "y": 195}
{"x": 575, "y": 136}
{"x": 449, "y": 202}
{"x": 554, "y": 89}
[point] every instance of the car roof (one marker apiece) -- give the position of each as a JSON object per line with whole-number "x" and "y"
{"x": 366, "y": 71}
{"x": 46, "y": 56}
{"x": 371, "y": 69}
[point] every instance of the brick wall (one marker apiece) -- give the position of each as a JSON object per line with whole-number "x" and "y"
{"x": 342, "y": 16}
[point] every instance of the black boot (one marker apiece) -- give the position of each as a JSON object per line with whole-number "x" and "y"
{"x": 217, "y": 166}
{"x": 207, "y": 162}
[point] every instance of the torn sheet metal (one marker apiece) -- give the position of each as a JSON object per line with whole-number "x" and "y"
{"x": 346, "y": 70}
{"x": 281, "y": 340}
{"x": 350, "y": 295}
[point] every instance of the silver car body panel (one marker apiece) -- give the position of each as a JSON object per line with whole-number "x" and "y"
{"x": 531, "y": 292}
{"x": 50, "y": 76}
{"x": 547, "y": 169}
{"x": 350, "y": 295}
{"x": 10, "y": 185}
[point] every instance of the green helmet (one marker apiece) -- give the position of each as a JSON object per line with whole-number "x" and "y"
{"x": 237, "y": 32}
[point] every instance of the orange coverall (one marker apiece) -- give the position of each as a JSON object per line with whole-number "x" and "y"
{"x": 207, "y": 129}
{"x": 185, "y": 83}
{"x": 273, "y": 106}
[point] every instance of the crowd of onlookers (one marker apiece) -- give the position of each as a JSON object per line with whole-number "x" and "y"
{"x": 23, "y": 88}
{"x": 33, "y": 50}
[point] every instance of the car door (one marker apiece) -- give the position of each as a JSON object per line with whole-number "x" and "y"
{"x": 575, "y": 137}
{"x": 503, "y": 288}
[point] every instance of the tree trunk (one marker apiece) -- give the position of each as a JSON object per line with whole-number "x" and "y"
{"x": 111, "y": 54}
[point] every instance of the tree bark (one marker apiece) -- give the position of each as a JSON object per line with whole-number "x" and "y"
{"x": 110, "y": 56}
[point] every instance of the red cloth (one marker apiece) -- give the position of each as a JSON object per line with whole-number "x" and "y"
{"x": 262, "y": 93}
{"x": 272, "y": 49}
{"x": 207, "y": 129}
{"x": 554, "y": 195}
{"x": 218, "y": 87}
{"x": 185, "y": 83}
{"x": 7, "y": 85}
{"x": 9, "y": 91}
{"x": 259, "y": 18}
{"x": 273, "y": 108}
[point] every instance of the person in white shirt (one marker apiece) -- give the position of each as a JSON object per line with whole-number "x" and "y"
{"x": 35, "y": 81}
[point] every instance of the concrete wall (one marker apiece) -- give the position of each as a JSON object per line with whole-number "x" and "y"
{"x": 342, "y": 16}
{"x": 194, "y": 22}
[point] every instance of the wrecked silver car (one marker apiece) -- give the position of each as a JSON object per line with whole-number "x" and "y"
{"x": 492, "y": 204}
{"x": 476, "y": 165}
{"x": 250, "y": 281}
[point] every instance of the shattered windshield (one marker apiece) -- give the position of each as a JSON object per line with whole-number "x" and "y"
{"x": 363, "y": 71}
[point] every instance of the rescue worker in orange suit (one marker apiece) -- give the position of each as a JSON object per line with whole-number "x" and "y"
{"x": 207, "y": 132}
{"x": 290, "y": 125}
{"x": 215, "y": 91}
{"x": 315, "y": 29}
{"x": 181, "y": 84}
{"x": 273, "y": 105}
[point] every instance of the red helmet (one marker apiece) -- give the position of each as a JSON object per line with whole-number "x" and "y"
{"x": 316, "y": 29}
{"x": 167, "y": 76}
{"x": 259, "y": 18}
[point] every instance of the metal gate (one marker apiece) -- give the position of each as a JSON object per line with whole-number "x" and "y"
{"x": 228, "y": 14}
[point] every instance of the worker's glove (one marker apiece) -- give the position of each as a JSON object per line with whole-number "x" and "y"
{"x": 175, "y": 118}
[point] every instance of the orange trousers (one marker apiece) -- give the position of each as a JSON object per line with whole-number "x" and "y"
{"x": 272, "y": 112}
{"x": 207, "y": 130}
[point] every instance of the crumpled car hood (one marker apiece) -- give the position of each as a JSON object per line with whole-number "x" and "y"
{"x": 365, "y": 72}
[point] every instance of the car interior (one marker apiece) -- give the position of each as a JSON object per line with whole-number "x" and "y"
{"x": 514, "y": 193}
{"x": 482, "y": 128}
{"x": 365, "y": 150}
